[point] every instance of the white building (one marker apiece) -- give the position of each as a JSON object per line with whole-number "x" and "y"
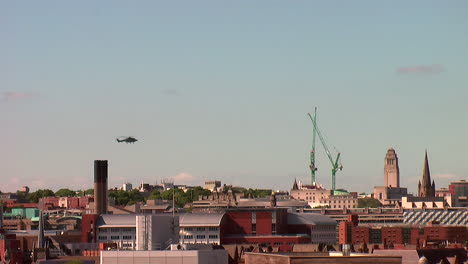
{"x": 138, "y": 232}
{"x": 219, "y": 256}
{"x": 425, "y": 202}
{"x": 127, "y": 187}
{"x": 341, "y": 201}
{"x": 212, "y": 185}
{"x": 315, "y": 195}
{"x": 200, "y": 228}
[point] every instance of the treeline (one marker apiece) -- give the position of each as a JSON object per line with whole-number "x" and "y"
{"x": 368, "y": 203}
{"x": 33, "y": 197}
{"x": 122, "y": 197}
{"x": 256, "y": 193}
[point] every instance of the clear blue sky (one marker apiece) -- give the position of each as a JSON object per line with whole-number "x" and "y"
{"x": 221, "y": 89}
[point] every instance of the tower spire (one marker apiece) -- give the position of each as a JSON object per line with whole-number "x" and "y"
{"x": 295, "y": 185}
{"x": 427, "y": 188}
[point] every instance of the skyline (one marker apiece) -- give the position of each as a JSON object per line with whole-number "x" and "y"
{"x": 222, "y": 90}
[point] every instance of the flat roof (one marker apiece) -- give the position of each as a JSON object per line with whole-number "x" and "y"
{"x": 310, "y": 219}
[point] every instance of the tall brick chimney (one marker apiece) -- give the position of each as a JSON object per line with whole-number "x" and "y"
{"x": 100, "y": 187}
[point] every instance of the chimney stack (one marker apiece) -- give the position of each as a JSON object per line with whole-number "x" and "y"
{"x": 100, "y": 187}
{"x": 1, "y": 216}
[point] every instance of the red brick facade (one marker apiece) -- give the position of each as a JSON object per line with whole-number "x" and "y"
{"x": 270, "y": 230}
{"x": 71, "y": 202}
{"x": 351, "y": 234}
{"x": 10, "y": 243}
{"x": 88, "y": 228}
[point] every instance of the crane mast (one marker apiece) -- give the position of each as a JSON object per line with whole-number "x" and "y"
{"x": 313, "y": 169}
{"x": 335, "y": 163}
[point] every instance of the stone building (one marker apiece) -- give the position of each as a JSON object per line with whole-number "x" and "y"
{"x": 212, "y": 185}
{"x": 391, "y": 169}
{"x": 341, "y": 201}
{"x": 391, "y": 193}
{"x": 314, "y": 195}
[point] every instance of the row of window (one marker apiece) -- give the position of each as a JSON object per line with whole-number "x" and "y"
{"x": 280, "y": 243}
{"x": 311, "y": 198}
{"x": 323, "y": 227}
{"x": 211, "y": 228}
{"x": 335, "y": 206}
{"x": 344, "y": 201}
{"x": 273, "y": 228}
{"x": 117, "y": 230}
{"x": 201, "y": 236}
{"x": 115, "y": 238}
{"x": 312, "y": 193}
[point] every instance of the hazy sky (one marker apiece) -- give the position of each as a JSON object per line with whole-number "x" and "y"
{"x": 221, "y": 90}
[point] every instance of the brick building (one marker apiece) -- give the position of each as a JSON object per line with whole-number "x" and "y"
{"x": 276, "y": 227}
{"x": 351, "y": 233}
{"x": 67, "y": 202}
{"x": 269, "y": 226}
{"x": 459, "y": 192}
{"x": 10, "y": 249}
{"x": 50, "y": 202}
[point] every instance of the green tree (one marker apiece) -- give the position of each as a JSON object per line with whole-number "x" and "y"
{"x": 194, "y": 193}
{"x": 135, "y": 196}
{"x": 41, "y": 193}
{"x": 368, "y": 202}
{"x": 155, "y": 195}
{"x": 181, "y": 197}
{"x": 65, "y": 193}
{"x": 89, "y": 192}
{"x": 21, "y": 197}
{"x": 122, "y": 197}
{"x": 257, "y": 193}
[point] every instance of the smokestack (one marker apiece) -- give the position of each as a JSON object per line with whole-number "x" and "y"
{"x": 40, "y": 235}
{"x": 1, "y": 216}
{"x": 100, "y": 186}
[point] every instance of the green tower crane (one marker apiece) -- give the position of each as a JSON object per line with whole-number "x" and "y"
{"x": 312, "y": 166}
{"x": 336, "y": 164}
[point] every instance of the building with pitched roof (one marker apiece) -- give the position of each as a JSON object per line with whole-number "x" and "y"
{"x": 135, "y": 232}
{"x": 201, "y": 228}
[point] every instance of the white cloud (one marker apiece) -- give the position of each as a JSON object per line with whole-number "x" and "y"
{"x": 184, "y": 178}
{"x": 12, "y": 185}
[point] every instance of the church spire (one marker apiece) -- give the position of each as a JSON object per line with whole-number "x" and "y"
{"x": 295, "y": 185}
{"x": 427, "y": 188}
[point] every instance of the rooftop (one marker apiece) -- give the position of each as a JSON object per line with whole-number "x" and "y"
{"x": 309, "y": 219}
{"x": 109, "y": 220}
{"x": 200, "y": 219}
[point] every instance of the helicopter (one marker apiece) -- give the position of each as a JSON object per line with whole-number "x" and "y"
{"x": 127, "y": 140}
